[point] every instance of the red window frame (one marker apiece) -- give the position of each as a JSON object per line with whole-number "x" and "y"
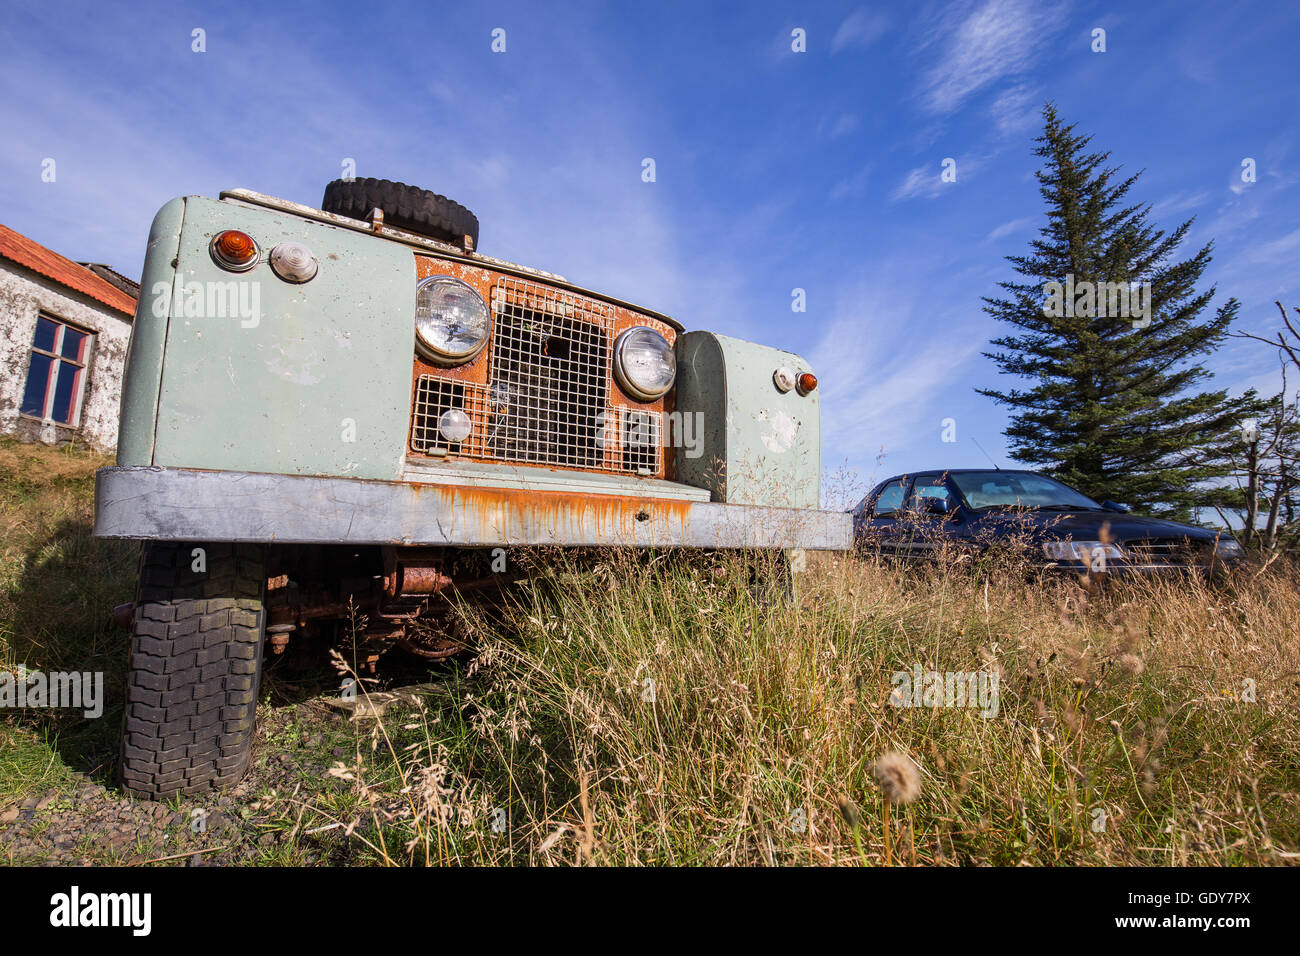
{"x": 57, "y": 361}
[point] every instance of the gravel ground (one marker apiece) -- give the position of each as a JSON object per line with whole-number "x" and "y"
{"x": 90, "y": 821}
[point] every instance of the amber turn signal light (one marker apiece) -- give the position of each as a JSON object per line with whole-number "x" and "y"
{"x": 807, "y": 382}
{"x": 234, "y": 250}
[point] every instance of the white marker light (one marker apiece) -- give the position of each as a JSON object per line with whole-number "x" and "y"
{"x": 293, "y": 262}
{"x": 454, "y": 425}
{"x": 783, "y": 379}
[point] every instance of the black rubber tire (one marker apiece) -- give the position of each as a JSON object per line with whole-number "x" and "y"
{"x": 405, "y": 207}
{"x": 194, "y": 671}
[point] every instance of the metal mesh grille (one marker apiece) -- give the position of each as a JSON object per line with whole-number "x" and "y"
{"x": 550, "y": 375}
{"x": 642, "y": 441}
{"x": 548, "y": 397}
{"x": 433, "y": 396}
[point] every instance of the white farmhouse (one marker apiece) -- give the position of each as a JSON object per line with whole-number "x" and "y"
{"x": 64, "y": 329}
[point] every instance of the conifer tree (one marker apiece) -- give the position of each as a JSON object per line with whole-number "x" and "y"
{"x": 1110, "y": 331}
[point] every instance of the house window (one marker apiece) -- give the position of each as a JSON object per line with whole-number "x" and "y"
{"x": 57, "y": 374}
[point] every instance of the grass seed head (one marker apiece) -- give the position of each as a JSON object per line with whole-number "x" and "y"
{"x": 897, "y": 777}
{"x": 1132, "y": 664}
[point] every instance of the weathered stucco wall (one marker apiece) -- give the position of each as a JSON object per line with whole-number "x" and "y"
{"x": 23, "y": 296}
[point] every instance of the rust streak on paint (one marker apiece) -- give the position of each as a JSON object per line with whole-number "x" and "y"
{"x": 512, "y": 511}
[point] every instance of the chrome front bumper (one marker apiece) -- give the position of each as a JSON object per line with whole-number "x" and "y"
{"x": 180, "y": 504}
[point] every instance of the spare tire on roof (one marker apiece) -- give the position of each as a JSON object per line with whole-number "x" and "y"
{"x": 404, "y": 207}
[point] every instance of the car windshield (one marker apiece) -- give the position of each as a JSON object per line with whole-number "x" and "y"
{"x": 1006, "y": 489}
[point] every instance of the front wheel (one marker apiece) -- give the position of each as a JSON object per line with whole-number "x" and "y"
{"x": 195, "y": 665}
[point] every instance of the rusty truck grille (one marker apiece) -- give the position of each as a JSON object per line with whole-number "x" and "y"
{"x": 550, "y": 375}
{"x": 547, "y": 400}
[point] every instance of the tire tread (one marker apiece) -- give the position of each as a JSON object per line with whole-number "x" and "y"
{"x": 405, "y": 207}
{"x": 194, "y": 670}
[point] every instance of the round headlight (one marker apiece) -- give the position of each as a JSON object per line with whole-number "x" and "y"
{"x": 451, "y": 320}
{"x": 644, "y": 364}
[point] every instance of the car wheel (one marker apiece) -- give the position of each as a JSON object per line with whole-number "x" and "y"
{"x": 195, "y": 665}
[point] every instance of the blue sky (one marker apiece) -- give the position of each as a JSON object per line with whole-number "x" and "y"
{"x": 775, "y": 169}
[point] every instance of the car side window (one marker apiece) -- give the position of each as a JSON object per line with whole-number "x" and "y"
{"x": 890, "y": 501}
{"x": 930, "y": 487}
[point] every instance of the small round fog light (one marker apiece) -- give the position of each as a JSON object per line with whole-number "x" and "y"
{"x": 454, "y": 425}
{"x": 293, "y": 262}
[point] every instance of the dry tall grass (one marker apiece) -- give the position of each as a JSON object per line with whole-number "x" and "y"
{"x": 659, "y": 714}
{"x": 56, "y": 581}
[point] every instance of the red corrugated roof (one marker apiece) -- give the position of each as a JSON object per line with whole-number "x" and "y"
{"x": 27, "y": 252}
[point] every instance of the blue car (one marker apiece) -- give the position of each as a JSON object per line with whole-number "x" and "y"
{"x": 916, "y": 515}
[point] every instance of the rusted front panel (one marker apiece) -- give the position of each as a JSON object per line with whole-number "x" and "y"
{"x": 525, "y": 515}
{"x": 542, "y": 391}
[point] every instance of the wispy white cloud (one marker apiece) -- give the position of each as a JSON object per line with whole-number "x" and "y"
{"x": 860, "y": 28}
{"x": 1181, "y": 201}
{"x": 1282, "y": 249}
{"x": 921, "y": 181}
{"x": 1231, "y": 222}
{"x": 987, "y": 43}
{"x": 846, "y": 123}
{"x": 1015, "y": 110}
{"x": 441, "y": 91}
{"x": 1010, "y": 228}
{"x": 927, "y": 182}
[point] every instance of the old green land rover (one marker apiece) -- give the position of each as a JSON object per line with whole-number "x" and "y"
{"x": 348, "y": 408}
